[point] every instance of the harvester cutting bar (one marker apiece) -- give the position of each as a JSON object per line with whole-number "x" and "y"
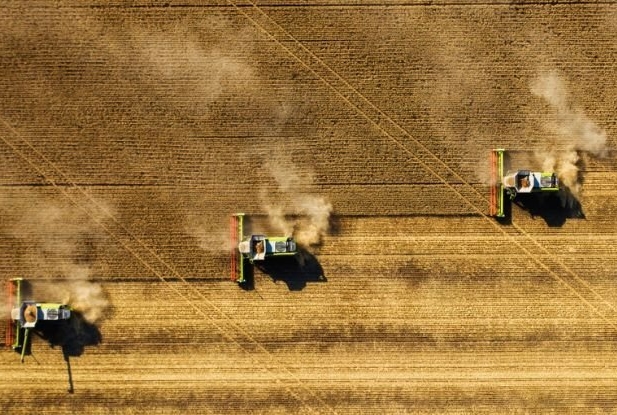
{"x": 13, "y": 330}
{"x": 493, "y": 195}
{"x": 235, "y": 236}
{"x": 496, "y": 196}
{"x": 10, "y": 326}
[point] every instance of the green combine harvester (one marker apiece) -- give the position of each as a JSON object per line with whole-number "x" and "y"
{"x": 514, "y": 182}
{"x": 254, "y": 248}
{"x": 26, "y": 314}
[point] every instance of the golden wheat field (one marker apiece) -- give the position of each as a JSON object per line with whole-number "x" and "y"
{"x": 130, "y": 131}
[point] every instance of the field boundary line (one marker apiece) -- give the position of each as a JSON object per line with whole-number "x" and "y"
{"x": 162, "y": 262}
{"x": 397, "y": 126}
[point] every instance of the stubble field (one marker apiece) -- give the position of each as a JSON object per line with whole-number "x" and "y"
{"x": 129, "y": 134}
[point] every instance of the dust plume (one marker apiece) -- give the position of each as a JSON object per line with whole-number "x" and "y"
{"x": 307, "y": 218}
{"x": 86, "y": 297}
{"x": 60, "y": 246}
{"x": 314, "y": 221}
{"x": 574, "y": 134}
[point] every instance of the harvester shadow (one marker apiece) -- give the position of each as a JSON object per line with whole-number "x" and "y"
{"x": 249, "y": 276}
{"x": 295, "y": 271}
{"x": 334, "y": 225}
{"x": 72, "y": 335}
{"x": 507, "y": 213}
{"x": 554, "y": 209}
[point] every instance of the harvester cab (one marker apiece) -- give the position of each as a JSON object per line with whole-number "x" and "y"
{"x": 254, "y": 247}
{"x": 514, "y": 182}
{"x": 26, "y": 314}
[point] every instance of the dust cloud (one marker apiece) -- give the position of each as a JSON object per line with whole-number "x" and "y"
{"x": 59, "y": 258}
{"x": 307, "y": 218}
{"x": 575, "y": 134}
{"x": 87, "y": 297}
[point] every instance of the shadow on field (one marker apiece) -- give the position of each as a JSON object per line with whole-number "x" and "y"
{"x": 72, "y": 335}
{"x": 334, "y": 225}
{"x": 413, "y": 275}
{"x": 295, "y": 271}
{"x": 249, "y": 276}
{"x": 554, "y": 208}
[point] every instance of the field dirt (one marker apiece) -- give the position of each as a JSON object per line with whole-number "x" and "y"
{"x": 130, "y": 132}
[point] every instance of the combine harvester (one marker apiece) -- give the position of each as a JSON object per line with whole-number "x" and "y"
{"x": 254, "y": 248}
{"x": 25, "y": 315}
{"x": 515, "y": 182}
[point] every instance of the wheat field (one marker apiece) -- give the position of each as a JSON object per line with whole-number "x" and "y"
{"x": 130, "y": 131}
